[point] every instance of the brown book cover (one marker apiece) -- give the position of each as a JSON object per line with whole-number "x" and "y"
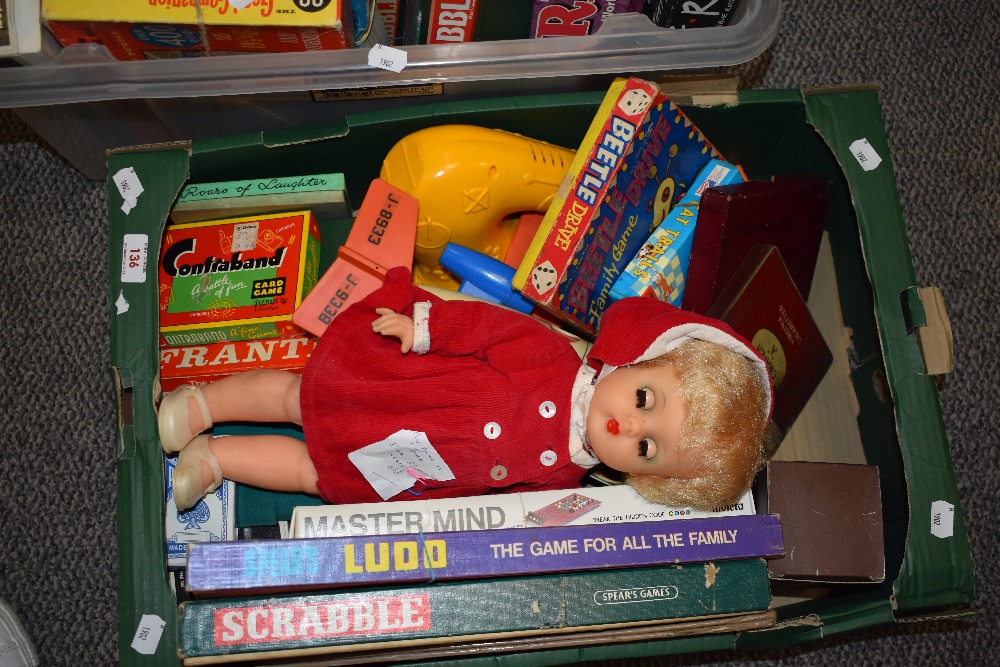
{"x": 787, "y": 211}
{"x": 831, "y": 521}
{"x": 762, "y": 304}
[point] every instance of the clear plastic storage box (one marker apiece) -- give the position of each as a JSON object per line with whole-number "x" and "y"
{"x": 85, "y": 102}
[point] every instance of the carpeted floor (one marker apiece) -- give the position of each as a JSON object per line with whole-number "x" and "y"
{"x": 938, "y": 68}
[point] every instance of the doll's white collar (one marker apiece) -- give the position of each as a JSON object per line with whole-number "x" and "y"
{"x": 583, "y": 391}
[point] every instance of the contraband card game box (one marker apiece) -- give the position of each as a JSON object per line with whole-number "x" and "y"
{"x": 236, "y": 279}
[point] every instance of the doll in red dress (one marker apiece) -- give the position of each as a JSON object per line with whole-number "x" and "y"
{"x": 675, "y": 400}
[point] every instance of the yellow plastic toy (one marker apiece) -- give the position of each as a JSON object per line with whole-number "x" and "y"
{"x": 468, "y": 180}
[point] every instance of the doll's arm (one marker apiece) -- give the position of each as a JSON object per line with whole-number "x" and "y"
{"x": 391, "y": 323}
{"x": 505, "y": 339}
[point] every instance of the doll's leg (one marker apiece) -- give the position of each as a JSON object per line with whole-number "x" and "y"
{"x": 275, "y": 462}
{"x": 254, "y": 396}
{"x": 257, "y": 396}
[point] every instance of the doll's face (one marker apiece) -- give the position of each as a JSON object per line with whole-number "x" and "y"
{"x": 634, "y": 422}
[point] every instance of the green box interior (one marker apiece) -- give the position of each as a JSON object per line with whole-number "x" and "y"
{"x": 767, "y": 132}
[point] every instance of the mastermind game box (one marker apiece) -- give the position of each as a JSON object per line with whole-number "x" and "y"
{"x": 236, "y": 279}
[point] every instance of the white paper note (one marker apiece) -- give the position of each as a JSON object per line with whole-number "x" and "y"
{"x": 385, "y": 464}
{"x": 129, "y": 187}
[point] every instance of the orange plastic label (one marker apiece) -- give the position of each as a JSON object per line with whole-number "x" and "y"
{"x": 383, "y": 237}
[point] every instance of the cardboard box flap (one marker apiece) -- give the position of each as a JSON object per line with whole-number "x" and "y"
{"x": 141, "y": 189}
{"x": 261, "y": 141}
{"x": 701, "y": 90}
{"x": 937, "y": 564}
{"x": 143, "y": 148}
{"x": 331, "y": 130}
{"x": 930, "y": 330}
{"x": 816, "y": 619}
{"x": 141, "y": 186}
{"x": 213, "y": 156}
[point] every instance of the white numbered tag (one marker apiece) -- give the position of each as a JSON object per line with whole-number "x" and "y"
{"x": 386, "y": 57}
{"x": 147, "y": 635}
{"x": 129, "y": 187}
{"x": 865, "y": 154}
{"x": 134, "y": 250}
{"x": 942, "y": 519}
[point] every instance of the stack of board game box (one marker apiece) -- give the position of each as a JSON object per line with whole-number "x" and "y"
{"x": 239, "y": 257}
{"x": 451, "y": 21}
{"x": 354, "y": 579}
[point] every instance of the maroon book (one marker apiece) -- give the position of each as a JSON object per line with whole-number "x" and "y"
{"x": 787, "y": 211}
{"x": 762, "y": 304}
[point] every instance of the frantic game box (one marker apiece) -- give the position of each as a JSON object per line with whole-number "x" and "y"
{"x": 929, "y": 567}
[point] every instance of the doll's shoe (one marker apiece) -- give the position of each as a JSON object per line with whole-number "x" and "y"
{"x": 175, "y": 429}
{"x": 187, "y": 482}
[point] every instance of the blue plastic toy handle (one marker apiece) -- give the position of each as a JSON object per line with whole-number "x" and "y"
{"x": 484, "y": 276}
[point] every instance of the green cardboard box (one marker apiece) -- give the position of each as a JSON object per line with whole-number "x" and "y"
{"x": 879, "y": 397}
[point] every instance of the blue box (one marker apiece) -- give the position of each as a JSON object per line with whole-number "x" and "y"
{"x": 659, "y": 270}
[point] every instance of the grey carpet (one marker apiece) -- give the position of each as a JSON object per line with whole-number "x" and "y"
{"x": 937, "y": 64}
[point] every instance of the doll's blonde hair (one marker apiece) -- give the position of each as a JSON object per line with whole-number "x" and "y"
{"x": 726, "y": 405}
